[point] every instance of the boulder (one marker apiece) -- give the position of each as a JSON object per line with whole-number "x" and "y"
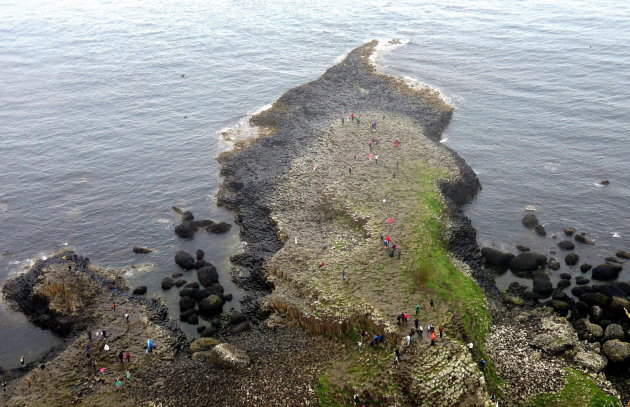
{"x": 177, "y": 274}
{"x": 623, "y": 254}
{"x": 528, "y": 261}
{"x": 140, "y": 290}
{"x": 585, "y": 267}
{"x": 522, "y": 248}
{"x": 565, "y": 276}
{"x": 220, "y": 227}
{"x": 606, "y": 272}
{"x": 619, "y": 305}
{"x": 514, "y": 300}
{"x": 187, "y": 216}
{"x": 200, "y": 328}
{"x": 569, "y": 231}
{"x": 616, "y": 351}
{"x": 558, "y": 294}
{"x": 209, "y": 331}
{"x": 540, "y": 230}
{"x": 186, "y": 303}
{"x": 200, "y": 295}
{"x": 610, "y": 290}
{"x": 167, "y": 283}
{"x": 530, "y": 297}
{"x": 613, "y": 260}
{"x": 566, "y": 245}
{"x": 553, "y": 264}
{"x": 202, "y": 344}
{"x": 204, "y": 223}
{"x": 613, "y": 331}
{"x": 200, "y": 254}
{"x": 551, "y": 344}
{"x": 186, "y": 229}
{"x": 183, "y": 316}
{"x": 200, "y": 264}
{"x": 242, "y": 327}
{"x": 193, "y": 319}
{"x": 529, "y": 220}
{"x": 577, "y": 291}
{"x": 494, "y": 257}
{"x": 594, "y": 331}
{"x": 184, "y": 260}
{"x": 624, "y": 286}
{"x": 591, "y": 361}
{"x": 562, "y": 284}
{"x": 228, "y": 355}
{"x": 179, "y": 283}
{"x": 561, "y": 306}
{"x": 142, "y": 250}
{"x": 188, "y": 292}
{"x": 582, "y": 239}
{"x": 542, "y": 284}
{"x": 208, "y": 275}
{"x": 216, "y": 289}
{"x": 571, "y": 259}
{"x": 595, "y": 299}
{"x": 211, "y": 305}
{"x": 227, "y": 297}
{"x": 237, "y": 318}
{"x": 193, "y": 284}
{"x": 582, "y": 280}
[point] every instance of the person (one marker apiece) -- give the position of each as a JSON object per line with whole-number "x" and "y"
{"x": 397, "y": 352}
{"x": 128, "y": 357}
{"x": 89, "y": 336}
{"x": 322, "y": 264}
{"x": 22, "y": 360}
{"x": 104, "y": 333}
{"x": 342, "y": 121}
{"x": 149, "y": 345}
{"x": 482, "y": 364}
{"x": 118, "y": 383}
{"x": 113, "y": 306}
{"x": 106, "y": 347}
{"x": 355, "y": 399}
{"x": 128, "y": 375}
{"x": 359, "y": 345}
{"x": 121, "y": 356}
{"x": 349, "y": 170}
{"x": 87, "y": 350}
{"x": 408, "y": 340}
{"x": 432, "y": 303}
{"x": 4, "y": 387}
{"x": 420, "y": 332}
{"x": 102, "y": 370}
{"x": 352, "y": 116}
{"x": 441, "y": 329}
{"x": 417, "y": 308}
{"x": 397, "y": 143}
{"x": 127, "y": 317}
{"x": 416, "y": 322}
{"x": 469, "y": 345}
{"x": 69, "y": 267}
{"x": 406, "y": 318}
{"x": 433, "y": 338}
{"x": 376, "y": 159}
{"x": 399, "y": 253}
{"x": 28, "y": 381}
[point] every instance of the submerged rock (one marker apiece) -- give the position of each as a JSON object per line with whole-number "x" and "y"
{"x": 566, "y": 245}
{"x": 529, "y": 220}
{"x": 540, "y": 229}
{"x": 569, "y": 231}
{"x": 167, "y": 283}
{"x": 208, "y": 275}
{"x": 623, "y": 254}
{"x": 186, "y": 229}
{"x": 142, "y": 250}
{"x": 528, "y": 261}
{"x": 522, "y": 248}
{"x": 571, "y": 259}
{"x": 553, "y": 264}
{"x": 582, "y": 239}
{"x": 494, "y": 257}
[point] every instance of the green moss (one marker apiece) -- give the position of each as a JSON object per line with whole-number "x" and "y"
{"x": 578, "y": 390}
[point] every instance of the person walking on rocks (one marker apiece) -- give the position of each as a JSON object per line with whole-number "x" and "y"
{"x": 4, "y": 388}
{"x": 87, "y": 350}
{"x": 89, "y": 334}
{"x": 432, "y": 303}
{"x": 417, "y": 308}
{"x": 128, "y": 357}
{"x": 416, "y": 323}
{"x": 441, "y": 329}
{"x": 420, "y": 332}
{"x": 121, "y": 356}
{"x": 397, "y": 353}
{"x": 433, "y": 338}
{"x": 113, "y": 306}
{"x": 343, "y": 121}
{"x": 28, "y": 381}
{"x": 408, "y": 340}
{"x": 352, "y": 116}
{"x": 22, "y": 360}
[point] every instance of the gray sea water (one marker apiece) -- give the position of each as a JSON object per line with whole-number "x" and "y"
{"x": 100, "y": 134}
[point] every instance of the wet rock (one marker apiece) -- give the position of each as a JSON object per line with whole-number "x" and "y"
{"x": 242, "y": 327}
{"x": 604, "y": 182}
{"x": 569, "y": 231}
{"x": 606, "y": 271}
{"x": 582, "y": 280}
{"x": 623, "y": 254}
{"x": 619, "y": 305}
{"x": 571, "y": 259}
{"x": 563, "y": 284}
{"x": 516, "y": 288}
{"x": 209, "y": 331}
{"x": 179, "y": 283}
{"x": 227, "y": 297}
{"x": 187, "y": 216}
{"x": 177, "y": 210}
{"x": 167, "y": 283}
{"x": 177, "y": 274}
{"x": 566, "y": 245}
{"x": 188, "y": 292}
{"x": 595, "y": 331}
{"x": 529, "y": 220}
{"x": 530, "y": 297}
{"x": 551, "y": 344}
{"x": 577, "y": 291}
{"x": 142, "y": 250}
{"x": 553, "y": 264}
{"x": 565, "y": 276}
{"x": 623, "y": 286}
{"x": 540, "y": 230}
{"x": 200, "y": 329}
{"x": 193, "y": 284}
{"x": 610, "y": 290}
{"x": 200, "y": 254}
{"x": 560, "y": 295}
{"x": 595, "y": 299}
{"x": 216, "y": 322}
{"x": 616, "y": 351}
{"x": 193, "y": 319}
{"x": 237, "y": 318}
{"x": 528, "y": 261}
{"x": 220, "y": 227}
{"x": 582, "y": 239}
{"x": 183, "y": 316}
{"x": 522, "y": 248}
{"x": 561, "y": 306}
{"x": 585, "y": 267}
{"x": 186, "y": 303}
{"x": 211, "y": 305}
{"x": 613, "y": 260}
{"x": 216, "y": 289}
{"x": 613, "y": 331}
{"x": 184, "y": 260}
{"x": 228, "y": 355}
{"x": 591, "y": 361}
{"x": 200, "y": 295}
{"x": 208, "y": 275}
{"x": 199, "y": 264}
{"x": 202, "y": 344}
{"x": 494, "y": 257}
{"x": 140, "y": 290}
{"x": 186, "y": 229}
{"x": 542, "y": 284}
{"x": 514, "y": 300}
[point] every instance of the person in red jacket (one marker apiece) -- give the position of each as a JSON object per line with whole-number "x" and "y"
{"x": 433, "y": 338}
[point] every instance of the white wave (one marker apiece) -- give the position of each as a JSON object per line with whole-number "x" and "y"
{"x": 242, "y": 130}
{"x": 163, "y": 220}
{"x": 616, "y": 234}
{"x": 63, "y": 244}
{"x": 444, "y": 140}
{"x": 598, "y": 185}
{"x": 530, "y": 208}
{"x": 552, "y": 167}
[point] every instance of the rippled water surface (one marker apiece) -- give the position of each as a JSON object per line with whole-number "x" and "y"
{"x": 100, "y": 134}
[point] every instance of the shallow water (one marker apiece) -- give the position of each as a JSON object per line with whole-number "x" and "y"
{"x": 100, "y": 134}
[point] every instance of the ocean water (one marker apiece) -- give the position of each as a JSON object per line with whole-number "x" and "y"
{"x": 100, "y": 134}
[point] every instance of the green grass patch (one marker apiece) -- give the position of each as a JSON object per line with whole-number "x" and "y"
{"x": 578, "y": 390}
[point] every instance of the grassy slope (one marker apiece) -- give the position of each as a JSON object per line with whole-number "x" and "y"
{"x": 578, "y": 390}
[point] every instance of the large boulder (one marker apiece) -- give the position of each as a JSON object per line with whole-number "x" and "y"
{"x": 209, "y": 331}
{"x": 577, "y": 291}
{"x": 616, "y": 351}
{"x": 542, "y": 284}
{"x": 613, "y": 331}
{"x": 186, "y": 229}
{"x": 582, "y": 280}
{"x": 237, "y": 318}
{"x": 562, "y": 284}
{"x": 595, "y": 299}
{"x": 184, "y": 260}
{"x": 211, "y": 305}
{"x": 202, "y": 344}
{"x": 619, "y": 305}
{"x": 571, "y": 259}
{"x": 591, "y": 361}
{"x": 566, "y": 245}
{"x": 228, "y": 355}
{"x": 494, "y": 257}
{"x": 187, "y": 216}
{"x": 199, "y": 264}
{"x": 167, "y": 283}
{"x": 530, "y": 220}
{"x": 551, "y": 344}
{"x": 528, "y": 261}
{"x": 606, "y": 271}
{"x": 208, "y": 275}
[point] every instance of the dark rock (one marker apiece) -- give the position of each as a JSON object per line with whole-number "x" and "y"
{"x": 494, "y": 257}
{"x": 606, "y": 271}
{"x": 216, "y": 289}
{"x": 516, "y": 288}
{"x": 563, "y": 284}
{"x": 186, "y": 229}
{"x": 209, "y": 331}
{"x": 623, "y": 254}
{"x": 560, "y": 295}
{"x": 237, "y": 318}
{"x": 167, "y": 283}
{"x": 566, "y": 245}
{"x": 211, "y": 305}
{"x": 560, "y": 305}
{"x": 565, "y": 276}
{"x": 553, "y": 264}
{"x": 616, "y": 351}
{"x": 179, "y": 283}
{"x": 540, "y": 229}
{"x": 611, "y": 290}
{"x": 200, "y": 295}
{"x": 200, "y": 329}
{"x": 530, "y": 220}
{"x": 528, "y": 261}
{"x": 193, "y": 319}
{"x": 140, "y": 290}
{"x": 595, "y": 299}
{"x": 227, "y": 297}
{"x": 220, "y": 227}
{"x": 577, "y": 291}
{"x": 200, "y": 254}
{"x": 582, "y": 239}
{"x": 186, "y": 303}
{"x": 624, "y": 286}
{"x": 184, "y": 260}
{"x": 613, "y": 260}
{"x": 582, "y": 308}
{"x": 177, "y": 274}
{"x": 604, "y": 182}
{"x": 522, "y": 248}
{"x": 569, "y": 231}
{"x": 582, "y": 280}
{"x": 183, "y": 316}
{"x": 242, "y": 327}
{"x": 142, "y": 250}
{"x": 530, "y": 296}
{"x": 208, "y": 275}
{"x": 188, "y": 292}
{"x": 187, "y": 216}
{"x": 542, "y": 284}
{"x": 193, "y": 284}
{"x": 216, "y": 322}
{"x": 571, "y": 259}
{"x": 585, "y": 267}
{"x": 200, "y": 264}
{"x": 177, "y": 210}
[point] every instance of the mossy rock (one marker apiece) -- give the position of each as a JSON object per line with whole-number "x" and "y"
{"x": 202, "y": 344}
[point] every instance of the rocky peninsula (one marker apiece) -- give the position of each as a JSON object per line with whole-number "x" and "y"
{"x": 350, "y": 209}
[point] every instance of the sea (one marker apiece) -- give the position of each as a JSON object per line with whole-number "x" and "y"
{"x": 113, "y": 111}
